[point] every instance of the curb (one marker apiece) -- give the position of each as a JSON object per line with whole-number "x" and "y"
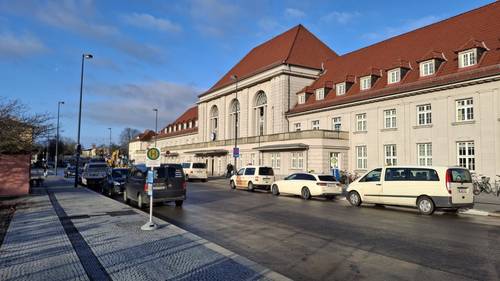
{"x": 260, "y": 270}
{"x": 476, "y": 212}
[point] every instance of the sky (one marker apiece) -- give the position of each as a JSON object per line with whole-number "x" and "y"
{"x": 163, "y": 54}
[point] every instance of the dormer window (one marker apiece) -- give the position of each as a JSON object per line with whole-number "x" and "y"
{"x": 340, "y": 89}
{"x": 427, "y": 68}
{"x": 467, "y": 58}
{"x": 302, "y": 98}
{"x": 320, "y": 93}
{"x": 365, "y": 83}
{"x": 394, "y": 75}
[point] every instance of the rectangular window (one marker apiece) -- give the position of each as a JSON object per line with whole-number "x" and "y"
{"x": 390, "y": 118}
{"x": 467, "y": 58}
{"x": 418, "y": 174}
{"x": 297, "y": 127}
{"x": 424, "y": 114}
{"x": 302, "y": 98}
{"x": 340, "y": 89}
{"x": 465, "y": 110}
{"x": 393, "y": 76}
{"x": 365, "y": 83}
{"x": 466, "y": 155}
{"x": 390, "y": 155}
{"x": 427, "y": 68}
{"x": 396, "y": 174}
{"x": 320, "y": 93}
{"x": 424, "y": 154}
{"x": 275, "y": 160}
{"x": 361, "y": 157}
{"x": 361, "y": 122}
{"x": 315, "y": 124}
{"x": 297, "y": 160}
{"x": 336, "y": 123}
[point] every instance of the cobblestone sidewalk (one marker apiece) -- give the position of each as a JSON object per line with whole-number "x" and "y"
{"x": 76, "y": 234}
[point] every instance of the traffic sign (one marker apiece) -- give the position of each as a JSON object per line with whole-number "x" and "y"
{"x": 153, "y": 157}
{"x": 236, "y": 152}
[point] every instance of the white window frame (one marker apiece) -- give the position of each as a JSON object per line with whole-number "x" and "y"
{"x": 394, "y": 75}
{"x": 297, "y": 127}
{"x": 427, "y": 68}
{"x": 424, "y": 154}
{"x": 302, "y": 98}
{"x": 252, "y": 158}
{"x": 275, "y": 160}
{"x": 320, "y": 93}
{"x": 336, "y": 123}
{"x": 361, "y": 157}
{"x": 466, "y": 155}
{"x": 464, "y": 109}
{"x": 340, "y": 89}
{"x": 297, "y": 160}
{"x": 390, "y": 155}
{"x": 424, "y": 114}
{"x": 315, "y": 125}
{"x": 390, "y": 118}
{"x": 361, "y": 122}
{"x": 365, "y": 83}
{"x": 467, "y": 58}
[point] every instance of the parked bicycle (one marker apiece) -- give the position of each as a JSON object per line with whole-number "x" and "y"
{"x": 481, "y": 184}
{"x": 497, "y": 185}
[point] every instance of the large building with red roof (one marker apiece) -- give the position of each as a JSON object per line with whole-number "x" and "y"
{"x": 426, "y": 97}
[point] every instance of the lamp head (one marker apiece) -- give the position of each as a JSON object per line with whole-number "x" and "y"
{"x": 88, "y": 56}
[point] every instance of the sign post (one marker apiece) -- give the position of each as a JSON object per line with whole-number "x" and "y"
{"x": 152, "y": 160}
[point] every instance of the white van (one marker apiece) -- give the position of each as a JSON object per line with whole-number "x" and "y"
{"x": 252, "y": 177}
{"x": 196, "y": 171}
{"x": 427, "y": 188}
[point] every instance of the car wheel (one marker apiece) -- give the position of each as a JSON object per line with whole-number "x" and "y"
{"x": 233, "y": 186}
{"x": 250, "y": 186}
{"x": 178, "y": 203}
{"x": 354, "y": 198}
{"x": 125, "y": 197}
{"x": 140, "y": 202}
{"x": 275, "y": 190}
{"x": 425, "y": 205}
{"x": 305, "y": 193}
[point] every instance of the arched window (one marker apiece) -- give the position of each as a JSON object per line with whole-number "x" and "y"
{"x": 234, "y": 116}
{"x": 260, "y": 113}
{"x": 214, "y": 120}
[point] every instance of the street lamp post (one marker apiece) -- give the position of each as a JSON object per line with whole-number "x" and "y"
{"x": 57, "y": 135}
{"x": 79, "y": 146}
{"x": 235, "y": 78}
{"x": 156, "y": 123}
{"x": 109, "y": 141}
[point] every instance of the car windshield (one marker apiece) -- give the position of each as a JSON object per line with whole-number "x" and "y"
{"x": 186, "y": 165}
{"x": 326, "y": 178}
{"x": 199, "y": 165}
{"x": 266, "y": 171}
{"x": 119, "y": 173}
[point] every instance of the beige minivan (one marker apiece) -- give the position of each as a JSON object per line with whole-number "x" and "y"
{"x": 427, "y": 188}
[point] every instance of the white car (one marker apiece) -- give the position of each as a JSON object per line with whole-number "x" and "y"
{"x": 194, "y": 170}
{"x": 427, "y": 188}
{"x": 307, "y": 185}
{"x": 252, "y": 177}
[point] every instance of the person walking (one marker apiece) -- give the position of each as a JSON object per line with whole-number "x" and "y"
{"x": 229, "y": 170}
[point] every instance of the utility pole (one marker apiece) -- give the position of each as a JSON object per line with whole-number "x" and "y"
{"x": 57, "y": 135}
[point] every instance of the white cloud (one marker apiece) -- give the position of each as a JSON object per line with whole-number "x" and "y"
{"x": 14, "y": 46}
{"x": 340, "y": 17}
{"x": 409, "y": 25}
{"x": 151, "y": 22}
{"x": 294, "y": 13}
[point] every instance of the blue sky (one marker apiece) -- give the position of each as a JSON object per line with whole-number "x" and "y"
{"x": 164, "y": 53}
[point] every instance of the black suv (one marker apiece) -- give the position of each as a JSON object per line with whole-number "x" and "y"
{"x": 116, "y": 181}
{"x": 169, "y": 185}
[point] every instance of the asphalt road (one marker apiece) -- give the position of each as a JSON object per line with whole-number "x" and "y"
{"x": 325, "y": 240}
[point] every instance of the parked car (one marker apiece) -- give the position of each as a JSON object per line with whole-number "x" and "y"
{"x": 169, "y": 185}
{"x": 95, "y": 174}
{"x": 195, "y": 171}
{"x": 427, "y": 188}
{"x": 69, "y": 171}
{"x": 116, "y": 181}
{"x": 252, "y": 177}
{"x": 307, "y": 185}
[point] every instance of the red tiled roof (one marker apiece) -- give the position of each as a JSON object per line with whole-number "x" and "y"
{"x": 296, "y": 46}
{"x": 189, "y": 115}
{"x": 146, "y": 136}
{"x": 482, "y": 25}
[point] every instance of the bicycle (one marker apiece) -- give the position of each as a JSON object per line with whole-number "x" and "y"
{"x": 497, "y": 185}
{"x": 481, "y": 185}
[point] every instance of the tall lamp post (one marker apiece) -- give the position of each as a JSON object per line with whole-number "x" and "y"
{"x": 234, "y": 77}
{"x": 156, "y": 123}
{"x": 57, "y": 135}
{"x": 109, "y": 141}
{"x": 79, "y": 146}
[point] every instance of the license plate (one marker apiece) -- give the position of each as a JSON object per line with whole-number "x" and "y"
{"x": 462, "y": 190}
{"x": 158, "y": 187}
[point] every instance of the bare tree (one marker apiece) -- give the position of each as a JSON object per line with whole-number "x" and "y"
{"x": 127, "y": 135}
{"x": 20, "y": 129}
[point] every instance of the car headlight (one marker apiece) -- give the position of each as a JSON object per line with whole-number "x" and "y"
{"x": 116, "y": 183}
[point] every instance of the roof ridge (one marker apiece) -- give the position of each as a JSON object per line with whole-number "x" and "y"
{"x": 293, "y": 42}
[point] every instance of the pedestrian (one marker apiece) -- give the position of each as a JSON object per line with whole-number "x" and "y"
{"x": 229, "y": 170}
{"x": 45, "y": 169}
